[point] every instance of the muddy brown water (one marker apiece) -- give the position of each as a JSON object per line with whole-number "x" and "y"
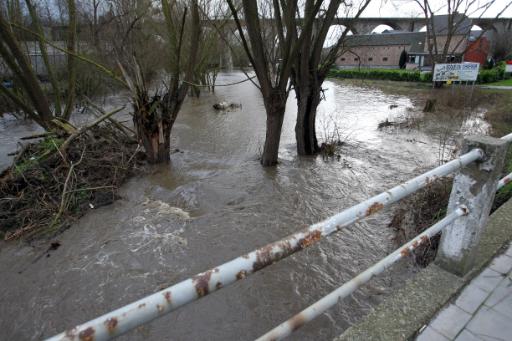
{"x": 213, "y": 203}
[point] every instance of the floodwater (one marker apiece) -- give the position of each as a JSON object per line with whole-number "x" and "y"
{"x": 215, "y": 202}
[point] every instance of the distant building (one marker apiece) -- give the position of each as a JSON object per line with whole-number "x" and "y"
{"x": 378, "y": 50}
{"x": 384, "y": 50}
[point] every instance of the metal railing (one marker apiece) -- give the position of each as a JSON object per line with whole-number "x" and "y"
{"x": 156, "y": 305}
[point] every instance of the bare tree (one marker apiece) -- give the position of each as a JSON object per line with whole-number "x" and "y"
{"x": 271, "y": 41}
{"x": 90, "y": 13}
{"x": 313, "y": 62}
{"x": 447, "y": 37}
{"x": 503, "y": 46}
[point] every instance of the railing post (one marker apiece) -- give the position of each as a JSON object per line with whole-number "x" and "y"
{"x": 475, "y": 187}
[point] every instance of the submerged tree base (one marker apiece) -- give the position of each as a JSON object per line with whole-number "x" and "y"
{"x": 46, "y": 187}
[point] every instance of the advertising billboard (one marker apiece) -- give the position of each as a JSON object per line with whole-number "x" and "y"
{"x": 461, "y": 72}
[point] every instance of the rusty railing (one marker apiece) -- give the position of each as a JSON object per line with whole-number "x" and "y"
{"x": 478, "y": 168}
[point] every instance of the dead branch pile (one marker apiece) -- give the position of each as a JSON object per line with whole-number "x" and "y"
{"x": 51, "y": 183}
{"x": 420, "y": 211}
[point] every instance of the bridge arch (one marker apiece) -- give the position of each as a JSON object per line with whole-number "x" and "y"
{"x": 382, "y": 27}
{"x": 368, "y": 27}
{"x": 482, "y": 25}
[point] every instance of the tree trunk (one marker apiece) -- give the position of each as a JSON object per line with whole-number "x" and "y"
{"x": 153, "y": 123}
{"x": 156, "y": 144}
{"x": 275, "y": 106}
{"x": 272, "y": 138}
{"x": 305, "y": 128}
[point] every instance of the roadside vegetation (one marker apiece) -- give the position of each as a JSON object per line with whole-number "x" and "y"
{"x": 496, "y": 74}
{"x": 506, "y": 82}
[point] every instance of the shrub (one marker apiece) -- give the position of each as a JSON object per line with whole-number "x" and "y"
{"x": 484, "y": 76}
{"x": 493, "y": 75}
{"x": 381, "y": 74}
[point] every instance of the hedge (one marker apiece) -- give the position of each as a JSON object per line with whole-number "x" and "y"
{"x": 493, "y": 75}
{"x": 384, "y": 74}
{"x": 484, "y": 76}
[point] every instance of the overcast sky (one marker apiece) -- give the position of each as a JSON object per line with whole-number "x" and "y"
{"x": 406, "y": 8}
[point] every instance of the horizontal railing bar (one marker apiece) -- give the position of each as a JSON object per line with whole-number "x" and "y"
{"x": 505, "y": 180}
{"x": 153, "y": 306}
{"x": 317, "y": 308}
{"x": 507, "y": 137}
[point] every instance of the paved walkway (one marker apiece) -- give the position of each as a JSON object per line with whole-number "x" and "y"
{"x": 498, "y": 87}
{"x": 483, "y": 310}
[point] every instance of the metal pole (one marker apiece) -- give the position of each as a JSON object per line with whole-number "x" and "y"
{"x": 316, "y": 309}
{"x": 144, "y": 310}
{"x": 507, "y": 179}
{"x": 508, "y": 137}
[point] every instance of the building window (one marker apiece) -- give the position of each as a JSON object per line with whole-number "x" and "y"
{"x": 385, "y": 59}
{"x": 343, "y": 59}
{"x": 356, "y": 59}
{"x": 370, "y": 59}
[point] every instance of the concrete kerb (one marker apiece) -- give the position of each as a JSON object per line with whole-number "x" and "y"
{"x": 402, "y": 314}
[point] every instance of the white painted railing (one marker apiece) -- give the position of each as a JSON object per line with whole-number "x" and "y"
{"x": 478, "y": 171}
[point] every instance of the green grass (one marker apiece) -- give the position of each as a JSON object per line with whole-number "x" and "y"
{"x": 45, "y": 147}
{"x": 505, "y": 82}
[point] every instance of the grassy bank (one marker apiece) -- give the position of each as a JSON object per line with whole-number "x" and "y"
{"x": 506, "y": 82}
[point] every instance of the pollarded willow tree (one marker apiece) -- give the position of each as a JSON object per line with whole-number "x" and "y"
{"x": 154, "y": 115}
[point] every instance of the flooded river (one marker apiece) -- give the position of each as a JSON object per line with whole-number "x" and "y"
{"x": 215, "y": 202}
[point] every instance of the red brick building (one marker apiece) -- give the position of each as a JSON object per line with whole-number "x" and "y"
{"x": 477, "y": 50}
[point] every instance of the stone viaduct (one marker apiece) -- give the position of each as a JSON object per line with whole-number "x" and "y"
{"x": 367, "y": 25}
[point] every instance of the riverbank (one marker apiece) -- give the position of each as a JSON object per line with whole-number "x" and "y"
{"x": 54, "y": 180}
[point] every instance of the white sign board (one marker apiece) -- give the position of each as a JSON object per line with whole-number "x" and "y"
{"x": 456, "y": 72}
{"x": 508, "y": 68}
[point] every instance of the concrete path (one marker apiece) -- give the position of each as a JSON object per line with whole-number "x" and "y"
{"x": 498, "y": 87}
{"x": 483, "y": 310}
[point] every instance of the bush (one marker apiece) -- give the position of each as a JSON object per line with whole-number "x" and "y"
{"x": 493, "y": 75}
{"x": 381, "y": 74}
{"x": 484, "y": 76}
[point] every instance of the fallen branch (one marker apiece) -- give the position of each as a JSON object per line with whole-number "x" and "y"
{"x": 82, "y": 130}
{"x": 36, "y": 136}
{"x": 63, "y": 200}
{"x": 116, "y": 123}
